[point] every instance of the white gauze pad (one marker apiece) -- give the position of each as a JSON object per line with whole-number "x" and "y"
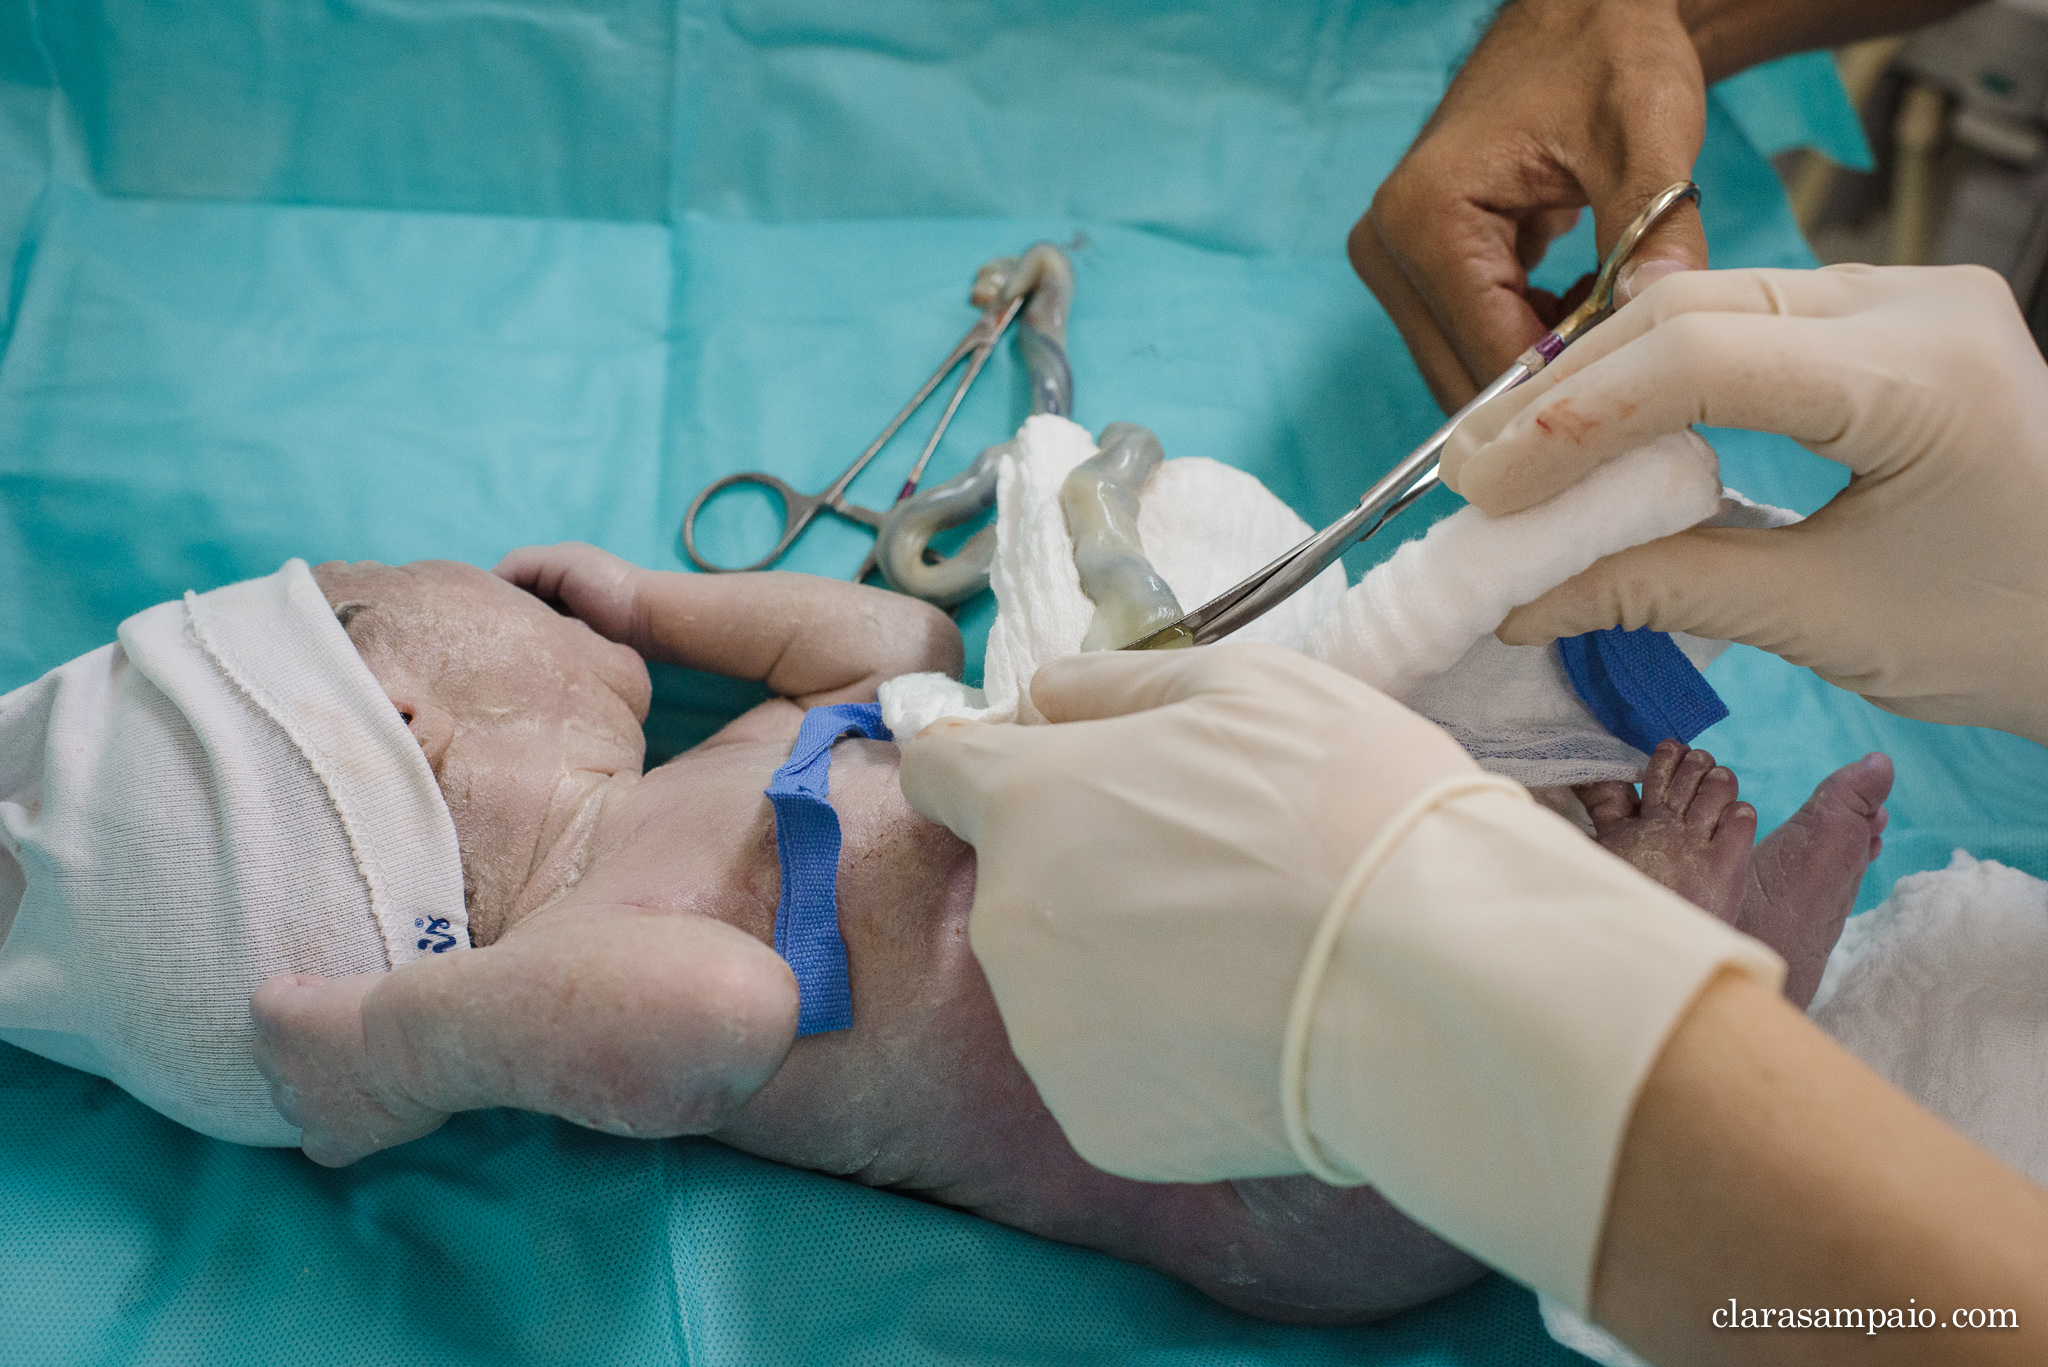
{"x": 1204, "y": 525}
{"x": 1418, "y": 614}
{"x": 1515, "y": 711}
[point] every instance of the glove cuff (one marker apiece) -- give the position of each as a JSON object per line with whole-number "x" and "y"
{"x": 1477, "y": 1012}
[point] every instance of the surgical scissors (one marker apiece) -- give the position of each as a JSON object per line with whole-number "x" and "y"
{"x": 800, "y": 509}
{"x": 1417, "y": 473}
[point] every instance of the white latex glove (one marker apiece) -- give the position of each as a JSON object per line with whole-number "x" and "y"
{"x": 1217, "y": 821}
{"x": 1922, "y": 585}
{"x": 1244, "y": 915}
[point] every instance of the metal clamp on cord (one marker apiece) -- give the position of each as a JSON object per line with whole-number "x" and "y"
{"x": 1038, "y": 287}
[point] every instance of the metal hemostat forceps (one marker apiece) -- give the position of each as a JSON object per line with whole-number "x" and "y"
{"x": 799, "y": 509}
{"x": 1414, "y": 476}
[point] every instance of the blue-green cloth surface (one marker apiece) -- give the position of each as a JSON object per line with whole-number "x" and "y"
{"x": 1798, "y": 101}
{"x": 389, "y": 279}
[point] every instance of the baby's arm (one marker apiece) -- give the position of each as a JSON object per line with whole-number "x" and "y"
{"x": 812, "y": 640}
{"x": 632, "y": 1022}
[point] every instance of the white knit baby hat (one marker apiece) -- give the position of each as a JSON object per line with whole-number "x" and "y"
{"x": 223, "y": 794}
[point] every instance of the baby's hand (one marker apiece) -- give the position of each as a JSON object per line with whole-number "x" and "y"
{"x": 312, "y": 1044}
{"x": 583, "y": 581}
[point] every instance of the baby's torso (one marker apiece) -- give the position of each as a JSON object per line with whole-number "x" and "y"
{"x": 923, "y": 1094}
{"x": 697, "y": 837}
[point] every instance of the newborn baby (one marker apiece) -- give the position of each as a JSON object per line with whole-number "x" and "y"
{"x": 541, "y": 925}
{"x": 622, "y": 975}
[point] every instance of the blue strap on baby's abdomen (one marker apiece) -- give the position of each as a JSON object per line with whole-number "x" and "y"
{"x": 807, "y": 843}
{"x": 1640, "y": 685}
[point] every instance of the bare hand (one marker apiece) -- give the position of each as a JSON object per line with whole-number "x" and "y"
{"x": 313, "y": 1045}
{"x": 1564, "y": 104}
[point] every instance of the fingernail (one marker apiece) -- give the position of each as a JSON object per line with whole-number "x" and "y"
{"x": 1640, "y": 275}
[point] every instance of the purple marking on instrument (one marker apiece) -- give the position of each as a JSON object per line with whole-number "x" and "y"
{"x": 909, "y": 488}
{"x": 1549, "y": 346}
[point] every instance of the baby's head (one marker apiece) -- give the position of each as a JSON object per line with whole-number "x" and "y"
{"x": 226, "y": 793}
{"x": 523, "y": 714}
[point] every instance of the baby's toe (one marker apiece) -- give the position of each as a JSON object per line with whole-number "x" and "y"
{"x": 1608, "y": 804}
{"x": 1664, "y": 762}
{"x": 1737, "y": 826}
{"x": 1717, "y": 789}
{"x": 1861, "y": 787}
{"x": 1685, "y": 779}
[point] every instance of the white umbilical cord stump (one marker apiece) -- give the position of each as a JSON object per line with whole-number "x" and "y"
{"x": 1100, "y": 500}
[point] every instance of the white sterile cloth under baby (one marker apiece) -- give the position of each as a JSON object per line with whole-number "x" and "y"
{"x": 1419, "y": 627}
{"x": 223, "y": 794}
{"x": 1943, "y": 990}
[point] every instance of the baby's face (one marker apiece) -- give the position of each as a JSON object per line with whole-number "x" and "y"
{"x": 522, "y": 713}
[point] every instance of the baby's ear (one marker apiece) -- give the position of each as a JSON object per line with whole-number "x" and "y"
{"x": 432, "y": 725}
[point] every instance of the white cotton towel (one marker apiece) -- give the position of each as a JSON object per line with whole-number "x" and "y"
{"x": 1943, "y": 989}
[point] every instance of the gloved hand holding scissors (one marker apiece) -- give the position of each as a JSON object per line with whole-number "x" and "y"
{"x": 1921, "y": 586}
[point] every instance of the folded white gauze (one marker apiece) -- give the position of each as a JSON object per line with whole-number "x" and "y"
{"x": 223, "y": 794}
{"x": 1416, "y": 615}
{"x": 1204, "y": 526}
{"x": 1515, "y": 711}
{"x": 1420, "y": 626}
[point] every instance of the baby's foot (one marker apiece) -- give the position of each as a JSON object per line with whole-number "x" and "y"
{"x": 1687, "y": 831}
{"x": 1803, "y": 878}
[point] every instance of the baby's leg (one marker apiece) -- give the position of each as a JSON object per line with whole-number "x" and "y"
{"x": 1803, "y": 878}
